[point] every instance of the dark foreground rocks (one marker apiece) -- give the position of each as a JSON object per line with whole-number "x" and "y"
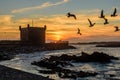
{"x": 5, "y": 56}
{"x": 13, "y": 74}
{"x": 55, "y": 67}
{"x": 55, "y": 64}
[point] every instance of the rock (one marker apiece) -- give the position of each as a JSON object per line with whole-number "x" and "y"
{"x": 47, "y": 71}
{"x": 109, "y": 44}
{"x": 5, "y": 56}
{"x": 96, "y": 57}
{"x": 55, "y": 64}
{"x": 7, "y": 73}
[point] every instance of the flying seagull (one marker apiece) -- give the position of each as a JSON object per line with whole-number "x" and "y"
{"x": 114, "y": 13}
{"x": 79, "y": 31}
{"x": 71, "y": 15}
{"x": 116, "y": 28}
{"x": 102, "y": 14}
{"x": 106, "y": 21}
{"x": 91, "y": 24}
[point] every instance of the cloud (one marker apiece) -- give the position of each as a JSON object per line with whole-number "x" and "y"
{"x": 44, "y": 5}
{"x": 5, "y": 18}
{"x": 88, "y": 11}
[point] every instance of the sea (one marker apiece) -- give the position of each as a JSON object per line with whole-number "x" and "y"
{"x": 106, "y": 71}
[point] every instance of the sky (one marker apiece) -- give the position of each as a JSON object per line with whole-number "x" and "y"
{"x": 52, "y": 13}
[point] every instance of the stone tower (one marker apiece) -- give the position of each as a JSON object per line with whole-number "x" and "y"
{"x": 32, "y": 35}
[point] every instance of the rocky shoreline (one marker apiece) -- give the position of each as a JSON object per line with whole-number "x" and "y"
{"x": 57, "y": 64}
{"x": 7, "y": 53}
{"x": 111, "y": 44}
{"x": 53, "y": 64}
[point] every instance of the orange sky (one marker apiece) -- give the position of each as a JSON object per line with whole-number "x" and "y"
{"x": 59, "y": 27}
{"x": 52, "y": 13}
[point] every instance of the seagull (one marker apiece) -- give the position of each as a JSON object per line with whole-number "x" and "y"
{"x": 71, "y": 15}
{"x": 91, "y": 24}
{"x": 116, "y": 28}
{"x": 79, "y": 31}
{"x": 106, "y": 21}
{"x": 114, "y": 13}
{"x": 102, "y": 15}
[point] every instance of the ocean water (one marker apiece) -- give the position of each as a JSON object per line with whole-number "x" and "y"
{"x": 23, "y": 62}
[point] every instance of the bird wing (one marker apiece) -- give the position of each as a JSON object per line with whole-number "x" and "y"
{"x": 78, "y": 30}
{"x": 115, "y": 10}
{"x": 116, "y": 27}
{"x": 68, "y": 14}
{"x": 105, "y": 19}
{"x": 90, "y": 22}
{"x": 75, "y": 16}
{"x": 102, "y": 13}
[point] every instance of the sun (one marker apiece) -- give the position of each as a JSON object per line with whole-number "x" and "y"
{"x": 58, "y": 37}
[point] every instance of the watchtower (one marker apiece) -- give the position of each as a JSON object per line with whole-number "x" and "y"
{"x": 32, "y": 35}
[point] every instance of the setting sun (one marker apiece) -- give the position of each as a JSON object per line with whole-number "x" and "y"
{"x": 58, "y": 37}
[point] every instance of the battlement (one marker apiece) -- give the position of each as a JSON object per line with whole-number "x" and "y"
{"x": 29, "y": 27}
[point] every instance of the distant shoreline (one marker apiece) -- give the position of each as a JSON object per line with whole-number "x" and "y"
{"x": 100, "y": 44}
{"x": 8, "y": 52}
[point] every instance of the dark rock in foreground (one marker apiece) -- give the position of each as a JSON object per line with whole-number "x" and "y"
{"x": 55, "y": 67}
{"x": 13, "y": 74}
{"x": 47, "y": 71}
{"x": 5, "y": 56}
{"x": 55, "y": 64}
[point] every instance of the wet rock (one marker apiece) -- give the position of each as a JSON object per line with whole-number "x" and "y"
{"x": 5, "y": 56}
{"x": 96, "y": 57}
{"x": 66, "y": 73}
{"x": 62, "y": 73}
{"x": 56, "y": 64}
{"x": 47, "y": 71}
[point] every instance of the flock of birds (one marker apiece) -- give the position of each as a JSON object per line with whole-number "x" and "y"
{"x": 91, "y": 24}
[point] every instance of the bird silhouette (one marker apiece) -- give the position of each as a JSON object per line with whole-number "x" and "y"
{"x": 71, "y": 15}
{"x": 114, "y": 13}
{"x": 102, "y": 14}
{"x": 106, "y": 21}
{"x": 116, "y": 28}
{"x": 79, "y": 31}
{"x": 91, "y": 24}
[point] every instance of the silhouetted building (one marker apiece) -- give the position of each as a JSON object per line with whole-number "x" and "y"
{"x": 32, "y": 35}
